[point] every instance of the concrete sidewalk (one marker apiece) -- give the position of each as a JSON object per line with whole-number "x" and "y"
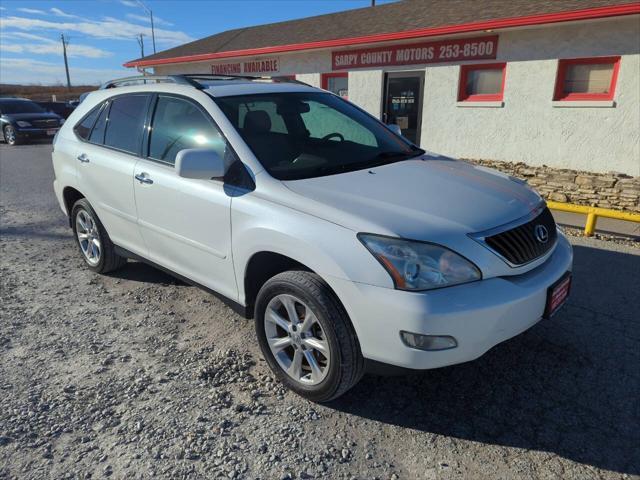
{"x": 603, "y": 225}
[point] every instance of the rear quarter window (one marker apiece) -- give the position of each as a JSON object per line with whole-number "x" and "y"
{"x": 97, "y": 134}
{"x": 83, "y": 128}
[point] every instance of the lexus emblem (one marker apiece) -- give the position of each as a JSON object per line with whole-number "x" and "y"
{"x": 542, "y": 234}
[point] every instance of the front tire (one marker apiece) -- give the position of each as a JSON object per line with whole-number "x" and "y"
{"x": 11, "y": 136}
{"x": 97, "y": 250}
{"x": 306, "y": 336}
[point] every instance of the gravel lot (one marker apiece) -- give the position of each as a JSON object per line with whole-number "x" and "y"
{"x": 136, "y": 375}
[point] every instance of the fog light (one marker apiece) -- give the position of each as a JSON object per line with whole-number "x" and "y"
{"x": 428, "y": 342}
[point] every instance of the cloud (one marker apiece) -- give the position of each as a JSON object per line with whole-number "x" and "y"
{"x": 59, "y": 13}
{"x": 47, "y": 46}
{"x": 27, "y": 71}
{"x": 146, "y": 19}
{"x": 129, "y": 3}
{"x": 55, "y": 48}
{"x": 32, "y": 11}
{"x": 28, "y": 36}
{"x": 109, "y": 27}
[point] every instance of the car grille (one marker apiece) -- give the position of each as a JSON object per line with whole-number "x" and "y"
{"x": 45, "y": 123}
{"x": 526, "y": 242}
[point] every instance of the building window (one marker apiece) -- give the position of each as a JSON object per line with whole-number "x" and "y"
{"x": 337, "y": 83}
{"x": 587, "y": 78}
{"x": 482, "y": 83}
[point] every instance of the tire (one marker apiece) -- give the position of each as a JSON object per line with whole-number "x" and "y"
{"x": 331, "y": 329}
{"x": 106, "y": 260}
{"x": 11, "y": 137}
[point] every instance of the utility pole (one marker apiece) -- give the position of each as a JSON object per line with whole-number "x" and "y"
{"x": 141, "y": 43}
{"x": 373, "y": 3}
{"x": 66, "y": 63}
{"x": 153, "y": 33}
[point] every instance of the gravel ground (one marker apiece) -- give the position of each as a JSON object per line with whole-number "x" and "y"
{"x": 136, "y": 375}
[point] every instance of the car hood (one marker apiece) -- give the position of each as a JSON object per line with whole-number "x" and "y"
{"x": 426, "y": 198}
{"x": 31, "y": 116}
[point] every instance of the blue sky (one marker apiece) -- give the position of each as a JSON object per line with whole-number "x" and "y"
{"x": 102, "y": 33}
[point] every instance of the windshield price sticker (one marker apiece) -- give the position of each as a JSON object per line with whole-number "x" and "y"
{"x": 479, "y": 48}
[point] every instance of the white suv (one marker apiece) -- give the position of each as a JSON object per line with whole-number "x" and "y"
{"x": 351, "y": 247}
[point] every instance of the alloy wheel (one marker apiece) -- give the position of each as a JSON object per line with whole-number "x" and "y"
{"x": 297, "y": 340}
{"x": 10, "y": 135}
{"x": 88, "y": 237}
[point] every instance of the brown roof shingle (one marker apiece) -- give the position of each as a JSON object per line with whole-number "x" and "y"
{"x": 401, "y": 16}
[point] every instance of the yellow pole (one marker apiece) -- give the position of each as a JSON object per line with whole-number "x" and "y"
{"x": 590, "y": 226}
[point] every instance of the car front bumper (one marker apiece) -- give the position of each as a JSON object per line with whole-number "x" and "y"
{"x": 478, "y": 315}
{"x": 36, "y": 132}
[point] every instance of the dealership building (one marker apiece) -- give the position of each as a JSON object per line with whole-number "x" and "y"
{"x": 545, "y": 82}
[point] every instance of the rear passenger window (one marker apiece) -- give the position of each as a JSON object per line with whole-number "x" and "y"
{"x": 97, "y": 134}
{"x": 125, "y": 122}
{"x": 177, "y": 125}
{"x": 83, "y": 129}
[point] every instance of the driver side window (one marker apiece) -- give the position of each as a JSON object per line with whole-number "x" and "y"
{"x": 321, "y": 121}
{"x": 179, "y": 124}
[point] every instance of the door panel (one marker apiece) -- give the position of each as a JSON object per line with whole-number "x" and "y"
{"x": 403, "y": 103}
{"x": 106, "y": 173}
{"x": 186, "y": 225}
{"x": 106, "y": 177}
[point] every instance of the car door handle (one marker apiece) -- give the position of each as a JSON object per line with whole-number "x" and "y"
{"x": 142, "y": 178}
{"x": 83, "y": 158}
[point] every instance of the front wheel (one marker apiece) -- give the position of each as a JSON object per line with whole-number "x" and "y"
{"x": 306, "y": 336}
{"x": 11, "y": 136}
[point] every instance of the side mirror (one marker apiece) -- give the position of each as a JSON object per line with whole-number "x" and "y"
{"x": 395, "y": 128}
{"x": 200, "y": 163}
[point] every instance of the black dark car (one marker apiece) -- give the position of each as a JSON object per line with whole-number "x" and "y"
{"x": 22, "y": 120}
{"x": 64, "y": 109}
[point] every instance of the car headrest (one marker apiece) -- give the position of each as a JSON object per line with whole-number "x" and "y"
{"x": 257, "y": 121}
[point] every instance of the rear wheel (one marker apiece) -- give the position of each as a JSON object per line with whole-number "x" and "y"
{"x": 306, "y": 336}
{"x": 95, "y": 245}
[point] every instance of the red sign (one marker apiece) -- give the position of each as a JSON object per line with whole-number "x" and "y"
{"x": 479, "y": 48}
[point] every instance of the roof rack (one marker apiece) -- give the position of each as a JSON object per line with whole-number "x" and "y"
{"x": 190, "y": 79}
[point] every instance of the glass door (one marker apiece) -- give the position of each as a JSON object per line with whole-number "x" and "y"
{"x": 403, "y": 102}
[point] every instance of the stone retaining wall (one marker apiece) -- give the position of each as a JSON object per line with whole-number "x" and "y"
{"x": 608, "y": 190}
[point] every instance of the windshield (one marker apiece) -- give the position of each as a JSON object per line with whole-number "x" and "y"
{"x": 20, "y": 106}
{"x": 305, "y": 135}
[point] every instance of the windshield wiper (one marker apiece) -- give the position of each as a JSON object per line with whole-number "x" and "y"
{"x": 383, "y": 158}
{"x": 398, "y": 155}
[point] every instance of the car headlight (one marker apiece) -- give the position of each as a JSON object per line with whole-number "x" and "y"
{"x": 417, "y": 265}
{"x": 22, "y": 123}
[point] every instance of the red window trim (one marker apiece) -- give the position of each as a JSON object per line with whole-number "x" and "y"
{"x": 324, "y": 79}
{"x": 494, "y": 97}
{"x": 563, "y": 64}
